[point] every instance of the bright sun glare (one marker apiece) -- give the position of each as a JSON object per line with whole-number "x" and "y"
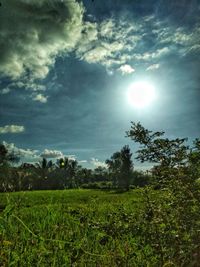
{"x": 141, "y": 94}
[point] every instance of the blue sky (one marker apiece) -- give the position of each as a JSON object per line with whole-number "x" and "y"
{"x": 66, "y": 67}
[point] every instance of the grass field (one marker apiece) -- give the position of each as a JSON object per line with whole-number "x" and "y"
{"x": 83, "y": 227}
{"x": 69, "y": 228}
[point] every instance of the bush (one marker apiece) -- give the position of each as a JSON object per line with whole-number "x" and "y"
{"x": 98, "y": 185}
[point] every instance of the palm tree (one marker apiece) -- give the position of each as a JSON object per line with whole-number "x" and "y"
{"x": 120, "y": 166}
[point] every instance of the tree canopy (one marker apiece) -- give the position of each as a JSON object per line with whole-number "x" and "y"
{"x": 121, "y": 166}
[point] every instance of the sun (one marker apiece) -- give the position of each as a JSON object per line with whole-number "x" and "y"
{"x": 141, "y": 94}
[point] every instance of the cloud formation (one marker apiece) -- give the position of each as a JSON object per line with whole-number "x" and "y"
{"x": 11, "y": 129}
{"x": 82, "y": 161}
{"x": 96, "y": 163}
{"x": 108, "y": 42}
{"x": 5, "y": 91}
{"x": 116, "y": 44}
{"x": 22, "y": 153}
{"x": 126, "y": 69}
{"x": 40, "y": 98}
{"x": 34, "y": 32}
{"x": 55, "y": 154}
{"x": 153, "y": 67}
{"x": 41, "y": 30}
{"x": 51, "y": 154}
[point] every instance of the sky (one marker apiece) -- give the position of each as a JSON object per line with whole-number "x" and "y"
{"x": 66, "y": 67}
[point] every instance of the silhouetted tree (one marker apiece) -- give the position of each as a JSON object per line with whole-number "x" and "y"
{"x": 3, "y": 154}
{"x": 8, "y": 156}
{"x": 100, "y": 174}
{"x": 169, "y": 155}
{"x": 8, "y": 176}
{"x": 121, "y": 167}
{"x": 67, "y": 169}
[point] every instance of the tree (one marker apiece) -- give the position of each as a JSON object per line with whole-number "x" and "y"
{"x": 140, "y": 178}
{"x": 3, "y": 154}
{"x": 8, "y": 175}
{"x": 126, "y": 167}
{"x": 169, "y": 155}
{"x": 84, "y": 175}
{"x": 8, "y": 156}
{"x": 177, "y": 211}
{"x": 114, "y": 165}
{"x": 100, "y": 174}
{"x": 121, "y": 166}
{"x": 42, "y": 170}
{"x": 68, "y": 169}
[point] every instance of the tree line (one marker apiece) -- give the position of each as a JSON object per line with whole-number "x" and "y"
{"x": 66, "y": 173}
{"x": 171, "y": 159}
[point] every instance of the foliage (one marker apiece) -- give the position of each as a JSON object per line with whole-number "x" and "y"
{"x": 121, "y": 167}
{"x": 139, "y": 228}
{"x": 173, "y": 221}
{"x": 3, "y": 153}
{"x": 142, "y": 227}
{"x": 7, "y": 156}
{"x": 140, "y": 179}
{"x": 170, "y": 156}
{"x": 194, "y": 160}
{"x": 169, "y": 153}
{"x": 98, "y": 185}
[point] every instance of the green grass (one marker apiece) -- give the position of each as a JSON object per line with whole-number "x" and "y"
{"x": 81, "y": 227}
{"x": 69, "y": 228}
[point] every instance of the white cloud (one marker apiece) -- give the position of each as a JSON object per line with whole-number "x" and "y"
{"x": 29, "y": 84}
{"x": 174, "y": 38}
{"x": 153, "y": 67}
{"x": 42, "y": 30}
{"x": 12, "y": 129}
{"x": 5, "y": 91}
{"x": 24, "y": 83}
{"x": 156, "y": 54}
{"x": 40, "y": 98}
{"x": 31, "y": 155}
{"x": 106, "y": 28}
{"x": 71, "y": 157}
{"x": 48, "y": 153}
{"x": 51, "y": 154}
{"x": 102, "y": 52}
{"x": 111, "y": 42}
{"x": 83, "y": 161}
{"x": 194, "y": 48}
{"x": 37, "y": 32}
{"x": 89, "y": 36}
{"x": 166, "y": 35}
{"x": 118, "y": 43}
{"x": 96, "y": 163}
{"x": 126, "y": 69}
{"x": 22, "y": 153}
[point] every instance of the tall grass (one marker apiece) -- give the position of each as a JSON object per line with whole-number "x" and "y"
{"x": 91, "y": 228}
{"x": 66, "y": 228}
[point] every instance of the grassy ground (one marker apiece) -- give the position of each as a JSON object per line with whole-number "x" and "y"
{"x": 71, "y": 228}
{"x": 81, "y": 227}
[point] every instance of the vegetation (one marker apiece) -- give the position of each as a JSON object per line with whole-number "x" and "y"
{"x": 157, "y": 224}
{"x": 67, "y": 174}
{"x": 121, "y": 167}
